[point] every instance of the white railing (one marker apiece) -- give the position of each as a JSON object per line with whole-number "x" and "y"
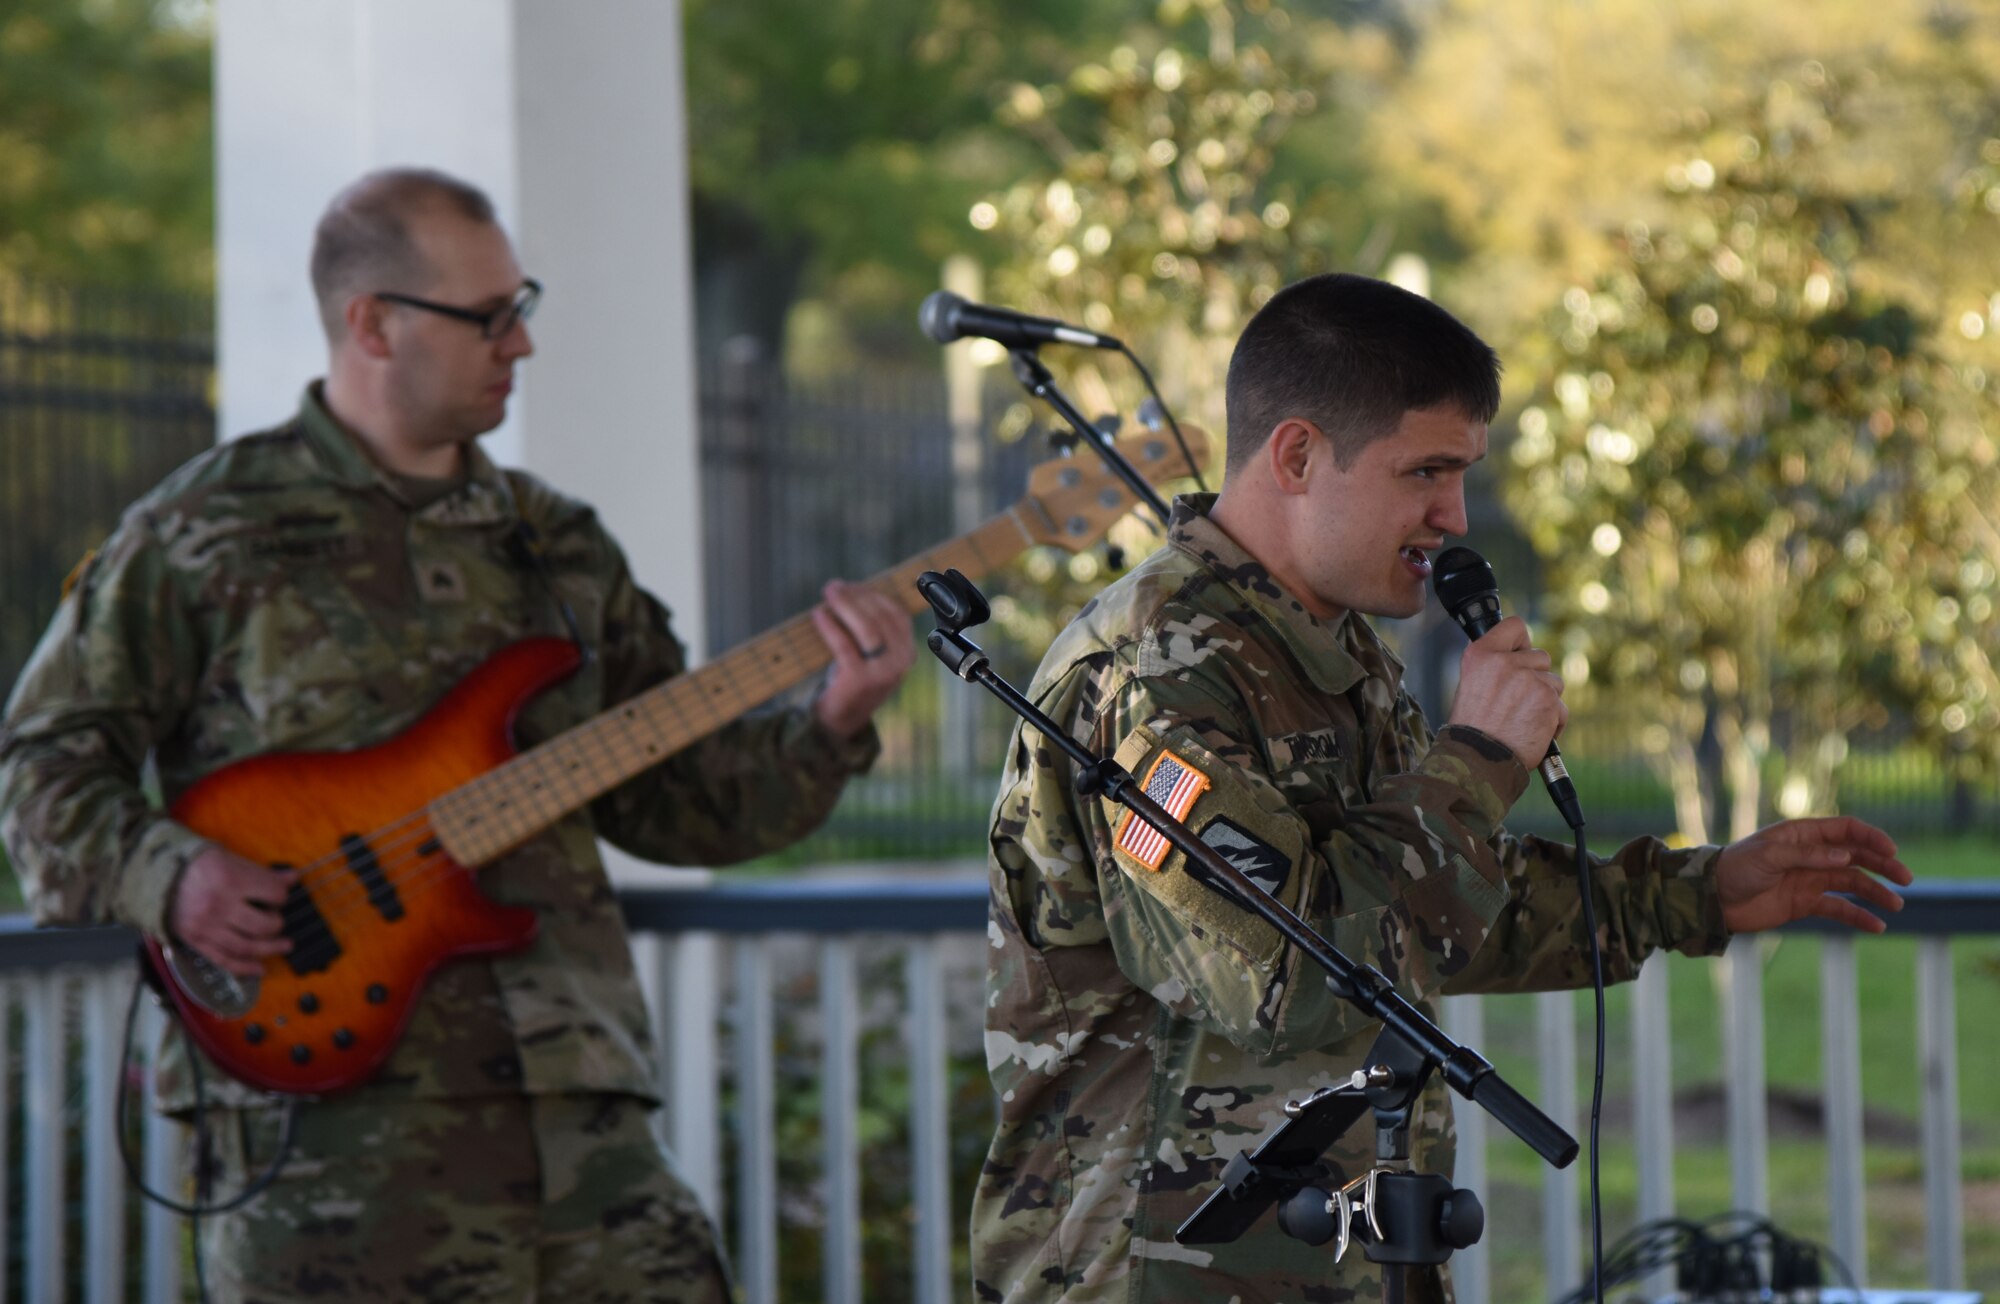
{"x": 713, "y": 962}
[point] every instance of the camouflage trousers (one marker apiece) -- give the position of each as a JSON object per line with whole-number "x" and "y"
{"x": 493, "y": 1198}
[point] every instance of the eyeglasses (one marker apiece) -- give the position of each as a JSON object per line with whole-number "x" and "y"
{"x": 492, "y": 324}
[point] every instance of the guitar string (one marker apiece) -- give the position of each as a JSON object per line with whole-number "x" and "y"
{"x": 512, "y": 769}
{"x": 345, "y": 898}
{"x": 768, "y": 677}
{"x": 313, "y": 915}
{"x": 415, "y": 878}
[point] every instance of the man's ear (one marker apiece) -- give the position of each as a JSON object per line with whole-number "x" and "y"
{"x": 367, "y": 325}
{"x": 1295, "y": 450}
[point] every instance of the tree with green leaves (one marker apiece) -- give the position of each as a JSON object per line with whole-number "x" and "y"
{"x": 1759, "y": 484}
{"x": 837, "y": 147}
{"x": 1189, "y": 165}
{"x": 106, "y": 143}
{"x": 1192, "y": 166}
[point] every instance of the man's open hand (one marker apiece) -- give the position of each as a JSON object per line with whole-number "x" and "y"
{"x": 1792, "y": 869}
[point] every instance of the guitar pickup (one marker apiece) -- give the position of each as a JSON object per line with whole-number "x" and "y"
{"x": 314, "y": 947}
{"x": 381, "y": 892}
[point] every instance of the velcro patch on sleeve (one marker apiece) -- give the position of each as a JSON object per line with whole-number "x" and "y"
{"x": 1240, "y": 816}
{"x": 1256, "y": 859}
{"x": 1176, "y": 785}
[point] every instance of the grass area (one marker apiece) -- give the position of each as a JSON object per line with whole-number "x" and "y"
{"x": 1889, "y": 1074}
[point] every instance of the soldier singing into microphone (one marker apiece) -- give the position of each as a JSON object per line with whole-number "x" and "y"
{"x": 1140, "y": 1030}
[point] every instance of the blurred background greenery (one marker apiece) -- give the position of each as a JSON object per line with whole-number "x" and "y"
{"x": 1742, "y": 264}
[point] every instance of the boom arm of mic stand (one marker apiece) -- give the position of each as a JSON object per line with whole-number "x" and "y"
{"x": 1041, "y": 383}
{"x": 1360, "y": 985}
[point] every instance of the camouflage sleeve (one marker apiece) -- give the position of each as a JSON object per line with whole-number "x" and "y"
{"x": 1408, "y": 882}
{"x": 748, "y": 789}
{"x": 104, "y": 685}
{"x": 1646, "y": 897}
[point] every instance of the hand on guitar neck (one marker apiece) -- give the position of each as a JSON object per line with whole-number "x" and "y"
{"x": 868, "y": 633}
{"x": 227, "y": 908}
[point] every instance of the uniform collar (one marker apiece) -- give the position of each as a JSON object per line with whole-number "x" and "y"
{"x": 1336, "y": 655}
{"x": 484, "y": 499}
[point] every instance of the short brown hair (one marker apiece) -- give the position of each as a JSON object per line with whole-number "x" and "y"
{"x": 362, "y": 243}
{"x": 1352, "y": 355}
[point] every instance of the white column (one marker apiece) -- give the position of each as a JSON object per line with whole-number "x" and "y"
{"x": 610, "y": 408}
{"x": 571, "y": 116}
{"x": 310, "y": 94}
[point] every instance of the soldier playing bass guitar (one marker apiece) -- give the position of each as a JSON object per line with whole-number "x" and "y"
{"x": 322, "y": 585}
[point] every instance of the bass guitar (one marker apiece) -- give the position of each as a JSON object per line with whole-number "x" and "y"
{"x": 385, "y": 838}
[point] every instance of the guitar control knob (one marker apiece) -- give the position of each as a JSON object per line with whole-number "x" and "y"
{"x": 253, "y": 1033}
{"x": 342, "y": 1038}
{"x": 308, "y": 1004}
{"x": 377, "y": 993}
{"x": 301, "y": 1053}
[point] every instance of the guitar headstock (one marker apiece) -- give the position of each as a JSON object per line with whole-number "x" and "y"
{"x": 1071, "y": 501}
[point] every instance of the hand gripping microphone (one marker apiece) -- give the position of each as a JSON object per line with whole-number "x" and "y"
{"x": 1464, "y": 583}
{"x": 946, "y": 317}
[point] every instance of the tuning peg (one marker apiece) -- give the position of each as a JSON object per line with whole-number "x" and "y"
{"x": 1151, "y": 414}
{"x": 1114, "y": 558}
{"x": 1062, "y": 442}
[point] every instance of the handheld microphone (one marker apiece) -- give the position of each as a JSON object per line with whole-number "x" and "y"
{"x": 1464, "y": 583}
{"x": 946, "y": 317}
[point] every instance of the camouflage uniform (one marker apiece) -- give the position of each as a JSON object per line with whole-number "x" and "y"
{"x": 281, "y": 593}
{"x": 1141, "y": 1031}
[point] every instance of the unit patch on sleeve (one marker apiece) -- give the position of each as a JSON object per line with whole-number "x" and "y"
{"x": 1259, "y": 861}
{"x": 1175, "y": 785}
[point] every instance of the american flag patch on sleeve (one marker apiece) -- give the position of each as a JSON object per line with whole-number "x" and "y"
{"x": 1174, "y": 784}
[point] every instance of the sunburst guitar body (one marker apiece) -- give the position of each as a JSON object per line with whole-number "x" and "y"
{"x": 385, "y": 839}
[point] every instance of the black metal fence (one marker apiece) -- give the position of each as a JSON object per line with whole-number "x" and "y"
{"x": 845, "y": 478}
{"x": 806, "y": 483}
{"x": 102, "y": 393}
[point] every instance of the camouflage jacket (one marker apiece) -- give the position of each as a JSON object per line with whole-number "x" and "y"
{"x": 1140, "y": 1031}
{"x": 280, "y": 593}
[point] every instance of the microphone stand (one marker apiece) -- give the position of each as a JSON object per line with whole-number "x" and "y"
{"x": 1041, "y": 383}
{"x": 1402, "y": 1217}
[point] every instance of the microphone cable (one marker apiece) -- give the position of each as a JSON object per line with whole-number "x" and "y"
{"x": 1167, "y": 412}
{"x": 1584, "y": 883}
{"x": 1465, "y": 584}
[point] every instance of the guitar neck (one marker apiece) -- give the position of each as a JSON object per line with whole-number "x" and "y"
{"x": 483, "y": 819}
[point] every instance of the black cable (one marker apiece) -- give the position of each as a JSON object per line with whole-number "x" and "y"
{"x": 1719, "y": 1258}
{"x": 1167, "y": 412}
{"x": 199, "y": 1208}
{"x": 524, "y": 544}
{"x": 1597, "y": 1083}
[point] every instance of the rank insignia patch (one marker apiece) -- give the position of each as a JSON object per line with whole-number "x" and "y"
{"x": 1175, "y": 785}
